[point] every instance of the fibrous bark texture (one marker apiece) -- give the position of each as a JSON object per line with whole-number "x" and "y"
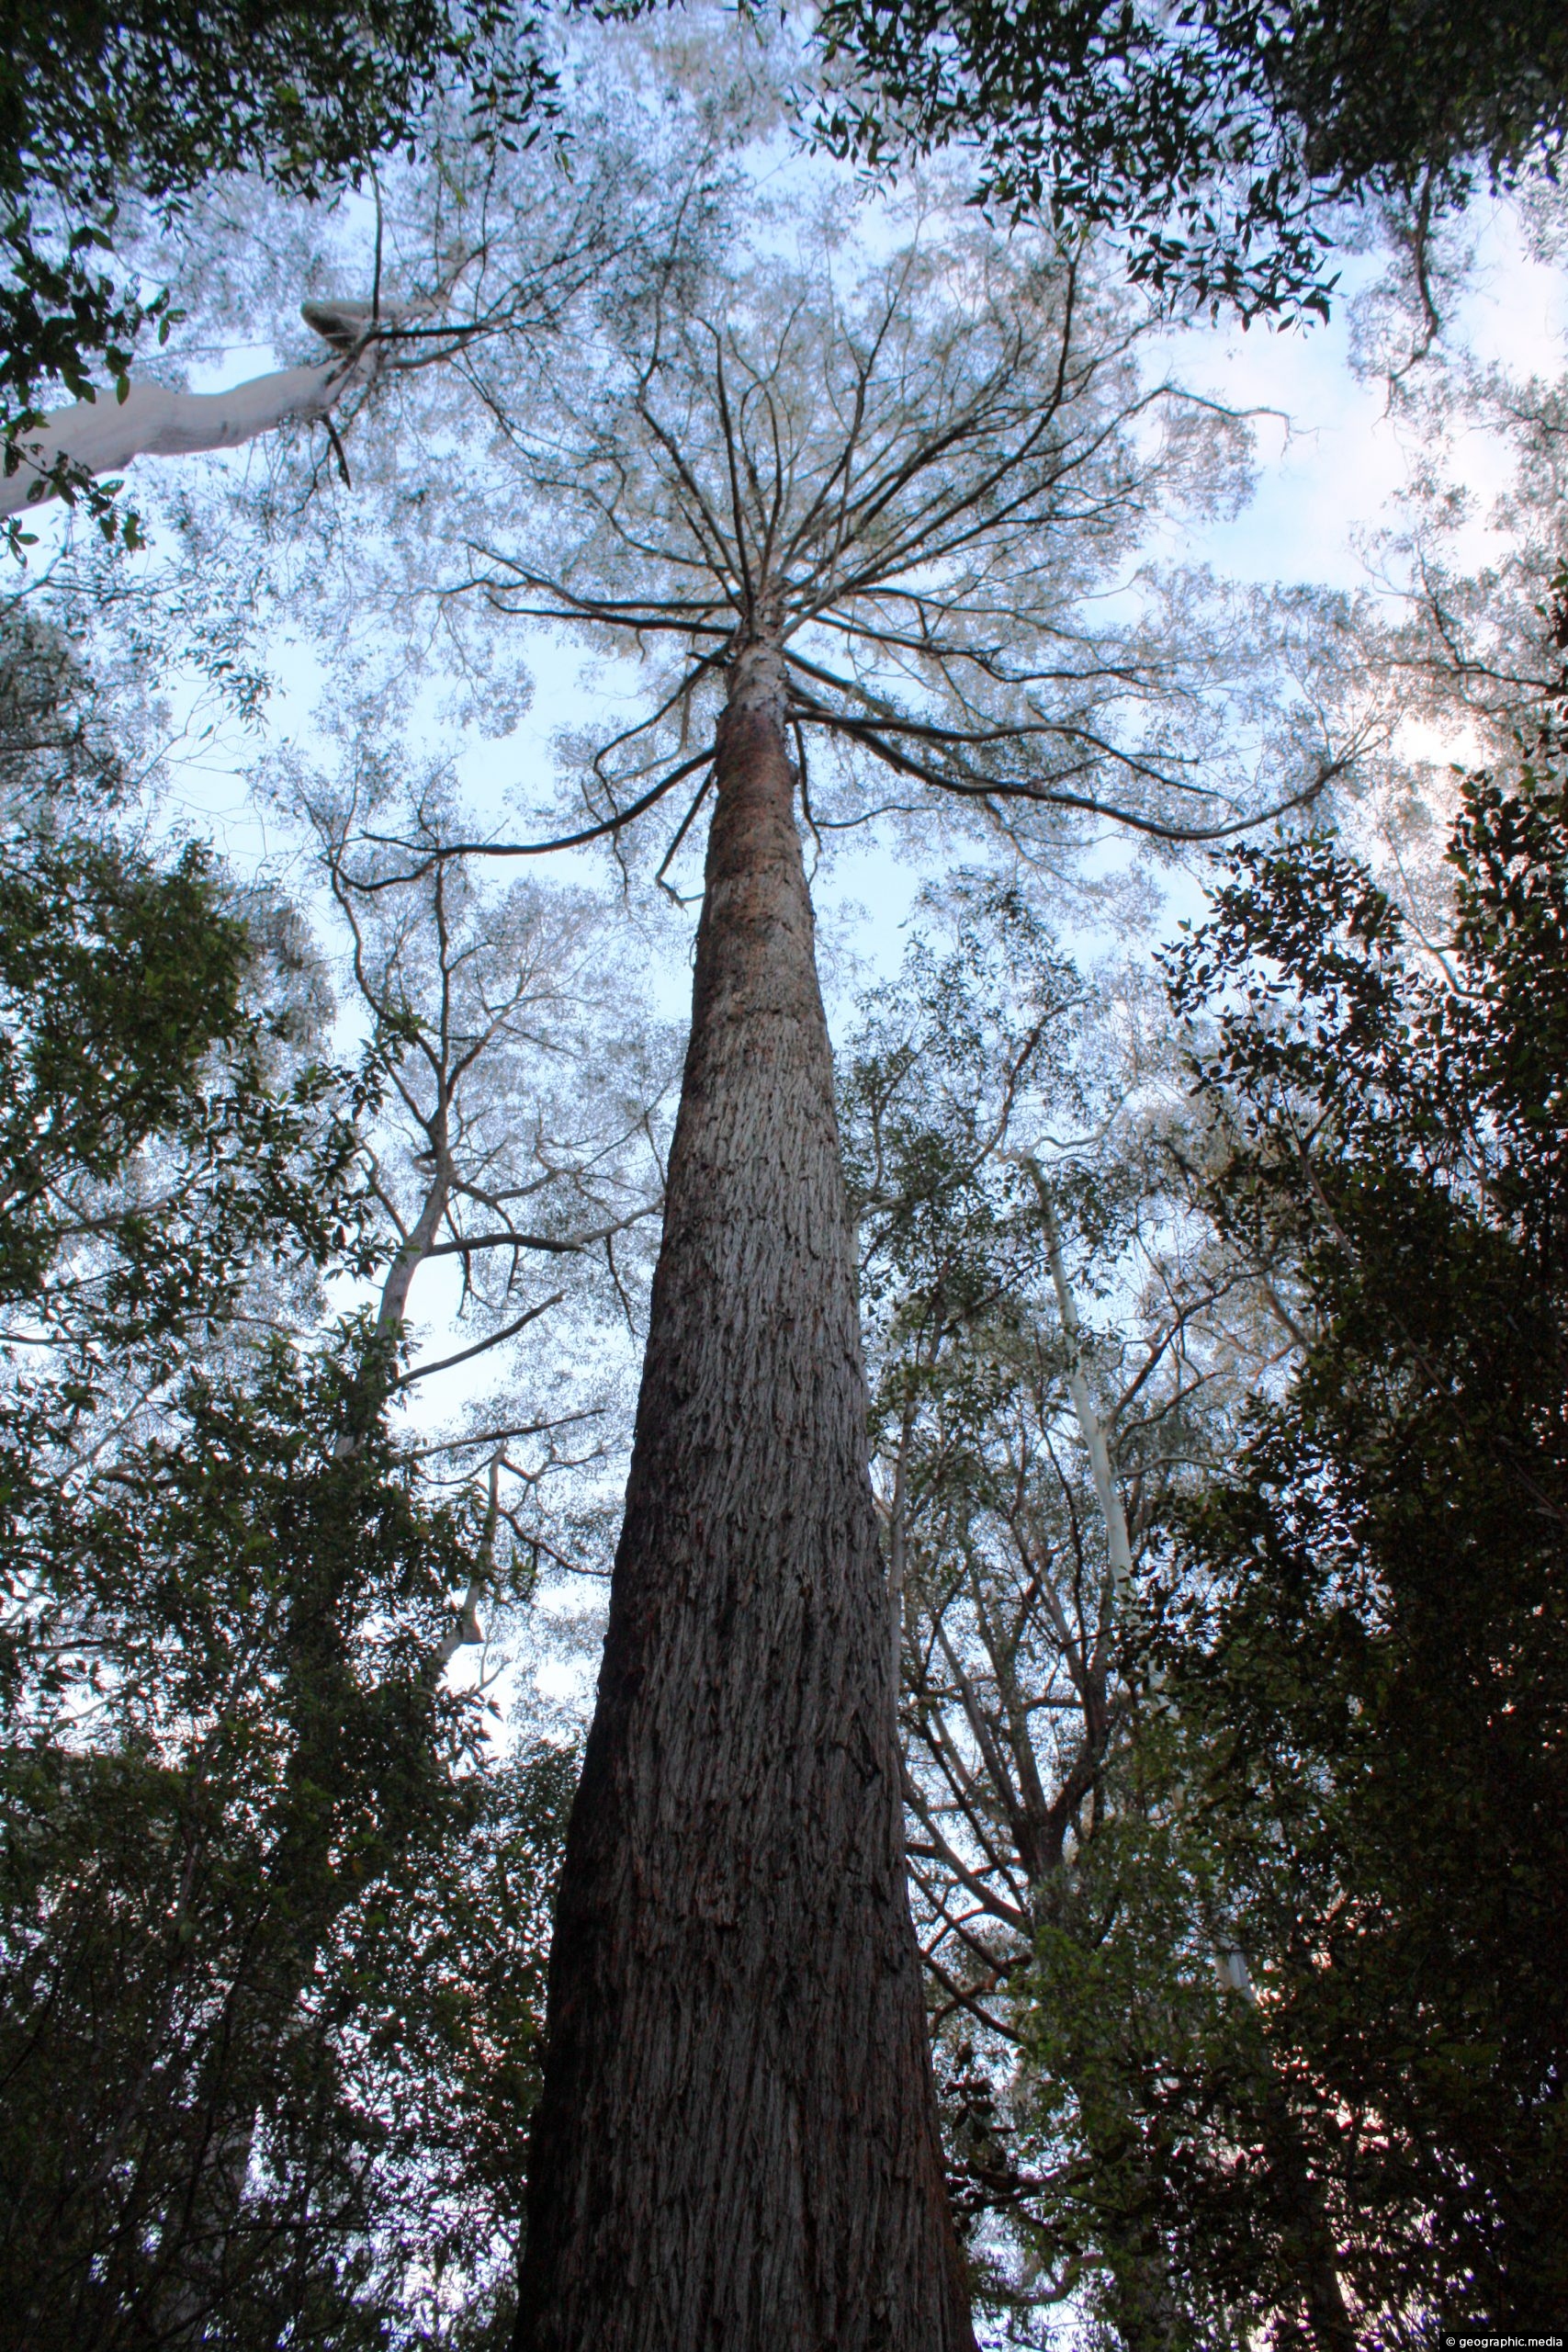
{"x": 736, "y": 2149}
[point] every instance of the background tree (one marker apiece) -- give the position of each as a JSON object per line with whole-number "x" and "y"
{"x": 521, "y": 1136}
{"x": 1010, "y": 1123}
{"x": 577, "y": 224}
{"x": 1368, "y": 1670}
{"x": 1475, "y": 574}
{"x": 270, "y": 1911}
{"x": 147, "y": 104}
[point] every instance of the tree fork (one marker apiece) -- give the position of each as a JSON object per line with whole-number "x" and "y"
{"x": 736, "y": 2148}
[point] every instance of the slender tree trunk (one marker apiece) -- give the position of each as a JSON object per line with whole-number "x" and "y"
{"x": 264, "y": 2011}
{"x": 737, "y": 2148}
{"x": 1118, "y": 1543}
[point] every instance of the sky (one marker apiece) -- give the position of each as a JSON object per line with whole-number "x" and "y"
{"x": 1331, "y": 456}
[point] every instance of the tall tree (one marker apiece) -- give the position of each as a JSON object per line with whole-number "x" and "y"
{"x": 520, "y": 1138}
{"x": 737, "y": 2144}
{"x": 871, "y": 513}
{"x": 871, "y": 509}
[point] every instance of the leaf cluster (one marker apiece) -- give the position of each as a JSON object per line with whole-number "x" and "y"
{"x": 1221, "y": 140}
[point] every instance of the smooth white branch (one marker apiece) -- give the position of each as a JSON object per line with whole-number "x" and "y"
{"x": 101, "y": 436}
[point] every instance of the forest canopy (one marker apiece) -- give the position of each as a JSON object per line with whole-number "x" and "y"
{"x": 782, "y": 1105}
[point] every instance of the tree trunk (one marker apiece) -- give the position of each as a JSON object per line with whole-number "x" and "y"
{"x": 736, "y": 2149}
{"x": 262, "y": 2014}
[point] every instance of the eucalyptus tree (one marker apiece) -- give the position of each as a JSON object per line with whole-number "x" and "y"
{"x": 579, "y": 223}
{"x": 513, "y": 1128}
{"x": 263, "y": 1896}
{"x": 1009, "y": 1124}
{"x": 896, "y": 512}
{"x": 98, "y": 437}
{"x": 868, "y": 507}
{"x": 521, "y": 1134}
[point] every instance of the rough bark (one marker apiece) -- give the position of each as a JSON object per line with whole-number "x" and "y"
{"x": 736, "y": 2149}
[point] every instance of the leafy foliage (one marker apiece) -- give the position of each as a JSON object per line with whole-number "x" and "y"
{"x": 1217, "y": 138}
{"x": 1065, "y": 1920}
{"x": 271, "y": 1927}
{"x": 1368, "y": 1661}
{"x": 159, "y": 1125}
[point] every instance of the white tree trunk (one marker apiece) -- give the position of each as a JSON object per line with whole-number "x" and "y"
{"x": 104, "y": 434}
